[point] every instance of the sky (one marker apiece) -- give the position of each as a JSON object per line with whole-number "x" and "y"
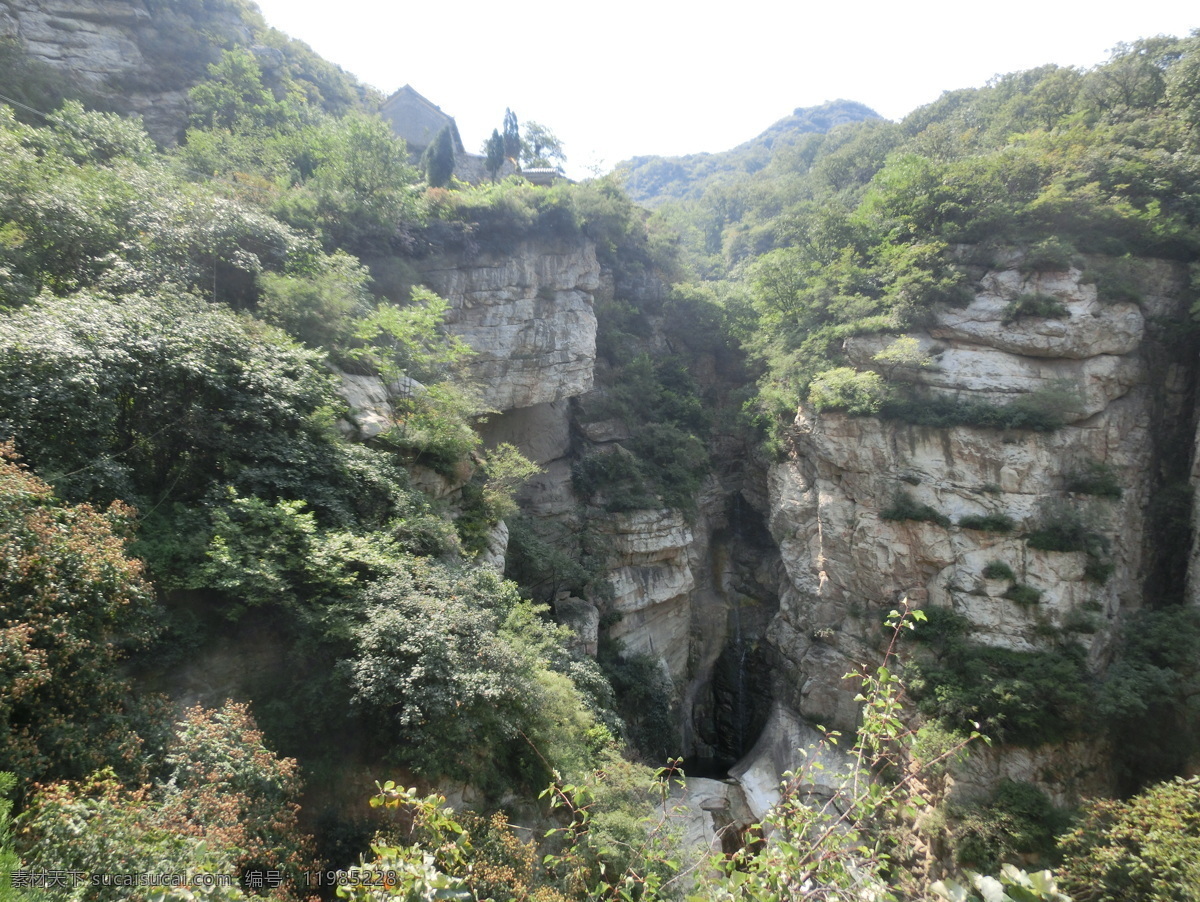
{"x": 632, "y": 77}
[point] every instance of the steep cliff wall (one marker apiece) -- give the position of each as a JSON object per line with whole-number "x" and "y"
{"x": 758, "y": 602}
{"x": 137, "y": 56}
{"x": 837, "y": 502}
{"x": 529, "y": 318}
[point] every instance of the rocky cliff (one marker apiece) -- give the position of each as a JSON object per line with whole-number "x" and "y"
{"x": 136, "y": 56}
{"x": 528, "y": 316}
{"x": 758, "y": 602}
{"x": 868, "y": 511}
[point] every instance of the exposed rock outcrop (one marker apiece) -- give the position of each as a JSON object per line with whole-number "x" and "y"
{"x": 846, "y": 560}
{"x": 528, "y": 316}
{"x": 138, "y": 56}
{"x": 652, "y": 584}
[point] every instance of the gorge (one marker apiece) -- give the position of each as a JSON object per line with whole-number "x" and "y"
{"x": 317, "y": 472}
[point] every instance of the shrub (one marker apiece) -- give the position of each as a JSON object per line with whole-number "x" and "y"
{"x": 1023, "y": 594}
{"x": 1151, "y": 694}
{"x": 613, "y": 478}
{"x": 1041, "y": 411}
{"x": 233, "y": 401}
{"x": 675, "y": 461}
{"x": 1021, "y": 697}
{"x": 845, "y": 388}
{"x": 987, "y": 522}
{"x": 1093, "y": 477}
{"x": 1065, "y": 527}
{"x": 942, "y": 629}
{"x": 320, "y": 308}
{"x": 1018, "y": 820}
{"x": 905, "y": 507}
{"x": 488, "y": 497}
{"x": 1098, "y": 570}
{"x": 998, "y": 570}
{"x": 1082, "y": 620}
{"x": 1115, "y": 280}
{"x": 1046, "y": 306}
{"x": 73, "y": 603}
{"x": 1048, "y": 255}
{"x": 451, "y": 676}
{"x": 229, "y": 804}
{"x": 545, "y": 557}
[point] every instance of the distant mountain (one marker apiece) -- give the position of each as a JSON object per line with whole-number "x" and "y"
{"x": 652, "y": 180}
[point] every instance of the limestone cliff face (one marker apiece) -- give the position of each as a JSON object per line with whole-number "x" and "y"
{"x": 652, "y": 583}
{"x": 139, "y": 56}
{"x": 845, "y": 562}
{"x": 528, "y": 316}
{"x": 762, "y": 600}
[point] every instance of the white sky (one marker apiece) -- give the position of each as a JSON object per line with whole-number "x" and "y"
{"x": 634, "y": 77}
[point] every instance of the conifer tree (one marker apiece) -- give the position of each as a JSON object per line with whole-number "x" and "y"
{"x": 494, "y": 149}
{"x": 438, "y": 159}
{"x": 512, "y": 137}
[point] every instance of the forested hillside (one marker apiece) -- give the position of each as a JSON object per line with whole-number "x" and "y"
{"x": 655, "y": 180}
{"x": 319, "y": 482}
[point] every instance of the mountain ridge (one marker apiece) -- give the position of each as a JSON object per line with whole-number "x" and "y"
{"x": 653, "y": 179}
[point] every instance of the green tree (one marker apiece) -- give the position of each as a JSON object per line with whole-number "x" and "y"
{"x": 512, "y": 137}
{"x": 455, "y": 675}
{"x": 229, "y": 804}
{"x": 321, "y": 308}
{"x": 540, "y": 147}
{"x": 438, "y": 159}
{"x": 233, "y": 400}
{"x": 234, "y": 96}
{"x": 1147, "y": 848}
{"x": 73, "y": 604}
{"x": 494, "y": 150}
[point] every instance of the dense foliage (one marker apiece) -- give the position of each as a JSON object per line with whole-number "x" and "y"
{"x": 74, "y": 606}
{"x": 229, "y": 806}
{"x": 168, "y": 329}
{"x": 1146, "y": 848}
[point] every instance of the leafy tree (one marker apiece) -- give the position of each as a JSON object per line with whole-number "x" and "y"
{"x": 73, "y": 605}
{"x": 98, "y": 826}
{"x": 319, "y": 308}
{"x": 1151, "y": 693}
{"x": 234, "y": 96}
{"x": 1147, "y": 848}
{"x": 229, "y": 805}
{"x": 845, "y": 388}
{"x": 225, "y": 782}
{"x": 232, "y": 400}
{"x": 540, "y": 147}
{"x": 450, "y": 676}
{"x": 354, "y": 184}
{"x": 411, "y": 340}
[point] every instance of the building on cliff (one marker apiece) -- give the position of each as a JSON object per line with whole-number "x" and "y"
{"x": 418, "y": 120}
